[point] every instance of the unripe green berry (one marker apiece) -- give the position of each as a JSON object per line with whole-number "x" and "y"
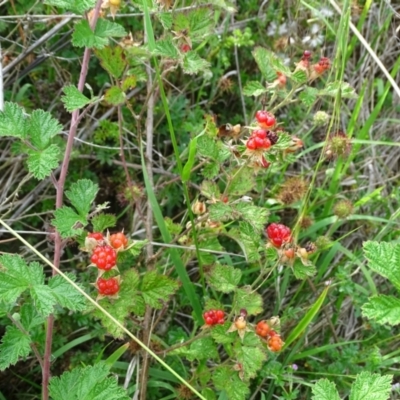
{"x": 321, "y": 118}
{"x": 343, "y": 209}
{"x": 323, "y": 242}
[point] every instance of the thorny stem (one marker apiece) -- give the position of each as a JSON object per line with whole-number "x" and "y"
{"x": 58, "y": 243}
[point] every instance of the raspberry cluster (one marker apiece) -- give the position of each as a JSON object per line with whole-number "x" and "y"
{"x": 273, "y": 339}
{"x": 104, "y": 256}
{"x": 108, "y": 287}
{"x": 259, "y": 140}
{"x": 214, "y": 317}
{"x": 279, "y": 234}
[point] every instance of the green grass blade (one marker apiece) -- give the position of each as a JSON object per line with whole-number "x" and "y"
{"x": 306, "y": 320}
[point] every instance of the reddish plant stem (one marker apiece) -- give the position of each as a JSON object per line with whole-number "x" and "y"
{"x": 58, "y": 243}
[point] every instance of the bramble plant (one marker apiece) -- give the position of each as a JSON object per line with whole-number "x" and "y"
{"x": 223, "y": 243}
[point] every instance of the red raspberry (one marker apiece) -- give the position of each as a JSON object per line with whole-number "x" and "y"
{"x": 108, "y": 287}
{"x": 251, "y": 144}
{"x": 260, "y": 133}
{"x": 96, "y": 235}
{"x": 265, "y": 119}
{"x": 104, "y": 257}
{"x": 185, "y": 48}
{"x": 279, "y": 234}
{"x": 118, "y": 240}
{"x": 307, "y": 55}
{"x": 266, "y": 144}
{"x": 259, "y": 142}
{"x": 213, "y": 317}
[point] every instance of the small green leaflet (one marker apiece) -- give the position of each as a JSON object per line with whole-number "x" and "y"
{"x": 250, "y": 300}
{"x": 220, "y": 212}
{"x": 67, "y": 221}
{"x": 333, "y": 88}
{"x": 166, "y": 48}
{"x": 112, "y": 59}
{"x": 220, "y": 335}
{"x": 254, "y": 88}
{"x": 81, "y": 195}
{"x": 242, "y": 182}
{"x": 42, "y": 162}
{"x": 262, "y": 57}
{"x": 83, "y": 35}
{"x": 325, "y": 390}
{"x": 74, "y": 99}
{"x": 101, "y": 222}
{"x": 254, "y": 215}
{"x": 42, "y": 127}
{"x": 383, "y": 309}
{"x": 193, "y": 63}
{"x": 302, "y": 271}
{"x": 87, "y": 383}
{"x": 226, "y": 379}
{"x": 12, "y": 121}
{"x": 14, "y": 345}
{"x": 156, "y": 288}
{"x": 202, "y": 348}
{"x": 115, "y": 96}
{"x": 251, "y": 358}
{"x": 224, "y": 278}
{"x": 308, "y": 96}
{"x": 76, "y": 6}
{"x": 369, "y": 386}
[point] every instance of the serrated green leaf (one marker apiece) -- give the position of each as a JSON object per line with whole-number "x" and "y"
{"x": 156, "y": 288}
{"x": 82, "y": 195}
{"x": 325, "y": 390}
{"x": 210, "y": 190}
{"x": 83, "y": 36}
{"x": 254, "y": 215}
{"x": 14, "y": 345}
{"x": 41, "y": 163}
{"x": 112, "y": 59}
{"x": 43, "y": 299}
{"x": 226, "y": 379}
{"x": 221, "y": 336}
{"x": 166, "y": 48}
{"x": 16, "y": 277}
{"x": 101, "y": 222}
{"x": 165, "y": 19}
{"x": 12, "y": 121}
{"x": 262, "y": 57}
{"x": 211, "y": 170}
{"x": 207, "y": 147}
{"x": 224, "y": 278}
{"x": 66, "y": 222}
{"x": 369, "y": 386}
{"x": 87, "y": 383}
{"x": 30, "y": 318}
{"x": 251, "y": 358}
{"x": 298, "y": 77}
{"x": 201, "y": 22}
{"x": 210, "y": 243}
{"x": 76, "y": 6}
{"x": 129, "y": 83}
{"x": 248, "y": 242}
{"x": 302, "y": 271}
{"x": 193, "y": 63}
{"x": 333, "y": 88}
{"x": 248, "y": 299}
{"x": 42, "y": 127}
{"x": 220, "y": 212}
{"x": 384, "y": 258}
{"x": 73, "y": 99}
{"x": 242, "y": 182}
{"x": 383, "y": 309}
{"x": 202, "y": 348}
{"x": 308, "y": 96}
{"x": 254, "y": 88}
{"x": 115, "y": 96}
{"x": 66, "y": 295}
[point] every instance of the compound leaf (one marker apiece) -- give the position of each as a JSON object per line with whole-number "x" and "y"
{"x": 369, "y": 386}
{"x": 12, "y": 121}
{"x": 66, "y": 295}
{"x": 251, "y": 358}
{"x": 384, "y": 309}
{"x": 112, "y": 59}
{"x": 248, "y": 299}
{"x": 82, "y": 195}
{"x": 325, "y": 390}
{"x": 224, "y": 278}
{"x": 193, "y": 63}
{"x": 226, "y": 379}
{"x": 66, "y": 222}
{"x": 14, "y": 345}
{"x": 41, "y": 163}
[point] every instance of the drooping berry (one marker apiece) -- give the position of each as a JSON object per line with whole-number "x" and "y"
{"x": 185, "y": 48}
{"x": 275, "y": 343}
{"x": 264, "y": 163}
{"x": 263, "y": 329}
{"x": 96, "y": 235}
{"x": 118, "y": 240}
{"x": 108, "y": 287}
{"x": 307, "y": 54}
{"x": 265, "y": 119}
{"x": 104, "y": 257}
{"x": 240, "y": 323}
{"x": 214, "y": 317}
{"x": 278, "y": 234}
